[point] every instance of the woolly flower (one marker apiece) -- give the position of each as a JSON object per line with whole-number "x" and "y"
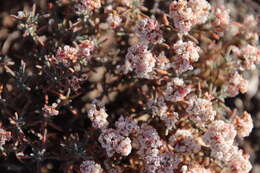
{"x": 90, "y": 166}
{"x": 184, "y": 141}
{"x": 244, "y": 124}
{"x": 186, "y": 53}
{"x": 126, "y": 125}
{"x": 4, "y": 136}
{"x": 222, "y": 18}
{"x": 148, "y": 138}
{"x": 220, "y": 137}
{"x": 186, "y": 14}
{"x": 251, "y": 56}
{"x": 113, "y": 142}
{"x": 238, "y": 163}
{"x": 98, "y": 116}
{"x": 140, "y": 60}
{"x": 149, "y": 30}
{"x": 235, "y": 84}
{"x": 201, "y": 111}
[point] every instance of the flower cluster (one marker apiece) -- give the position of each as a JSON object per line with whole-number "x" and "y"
{"x": 90, "y": 166}
{"x": 186, "y": 53}
{"x": 114, "y": 142}
{"x": 201, "y": 111}
{"x": 243, "y": 124}
{"x": 140, "y": 60}
{"x": 68, "y": 53}
{"x": 186, "y": 14}
{"x": 149, "y": 30}
{"x": 220, "y": 137}
{"x": 98, "y": 116}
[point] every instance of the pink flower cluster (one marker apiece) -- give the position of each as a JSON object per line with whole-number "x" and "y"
{"x": 149, "y": 30}
{"x": 184, "y": 141}
{"x": 222, "y": 19}
{"x": 236, "y": 84}
{"x": 220, "y": 137}
{"x": 68, "y": 53}
{"x": 186, "y": 53}
{"x": 201, "y": 111}
{"x": 176, "y": 90}
{"x": 140, "y": 60}
{"x": 114, "y": 142}
{"x": 243, "y": 124}
{"x": 98, "y": 116}
{"x": 186, "y": 14}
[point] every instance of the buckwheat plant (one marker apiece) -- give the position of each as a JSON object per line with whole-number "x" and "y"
{"x": 115, "y": 86}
